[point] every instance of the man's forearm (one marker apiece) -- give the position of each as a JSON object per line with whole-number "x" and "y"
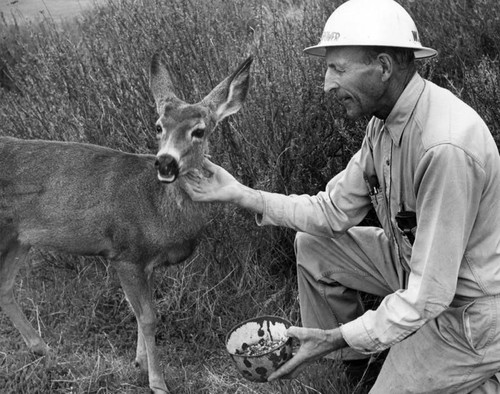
{"x": 249, "y": 198}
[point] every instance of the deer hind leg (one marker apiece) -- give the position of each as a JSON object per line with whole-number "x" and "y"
{"x": 136, "y": 283}
{"x": 12, "y": 258}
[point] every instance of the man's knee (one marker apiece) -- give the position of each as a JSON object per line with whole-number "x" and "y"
{"x": 300, "y": 241}
{"x": 316, "y": 255}
{"x": 306, "y": 248}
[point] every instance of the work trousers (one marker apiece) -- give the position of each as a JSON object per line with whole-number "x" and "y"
{"x": 443, "y": 356}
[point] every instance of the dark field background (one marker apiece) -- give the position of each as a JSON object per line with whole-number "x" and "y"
{"x": 86, "y": 80}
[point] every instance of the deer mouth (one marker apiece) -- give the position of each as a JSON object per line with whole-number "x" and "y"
{"x": 167, "y": 168}
{"x": 168, "y": 179}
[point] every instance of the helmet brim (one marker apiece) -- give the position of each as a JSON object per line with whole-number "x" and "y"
{"x": 420, "y": 52}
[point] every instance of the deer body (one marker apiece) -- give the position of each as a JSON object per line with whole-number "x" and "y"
{"x": 89, "y": 200}
{"x": 123, "y": 215}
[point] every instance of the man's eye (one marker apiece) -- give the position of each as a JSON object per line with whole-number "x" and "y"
{"x": 336, "y": 69}
{"x": 198, "y": 133}
{"x": 159, "y": 129}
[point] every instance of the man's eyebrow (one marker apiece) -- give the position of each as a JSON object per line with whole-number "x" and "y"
{"x": 335, "y": 65}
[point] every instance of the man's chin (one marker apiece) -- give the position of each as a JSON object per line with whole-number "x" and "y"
{"x": 351, "y": 113}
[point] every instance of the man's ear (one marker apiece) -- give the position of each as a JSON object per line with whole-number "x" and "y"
{"x": 387, "y": 63}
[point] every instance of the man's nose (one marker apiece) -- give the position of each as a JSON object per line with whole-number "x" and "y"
{"x": 331, "y": 82}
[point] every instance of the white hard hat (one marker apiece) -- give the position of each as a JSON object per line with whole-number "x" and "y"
{"x": 371, "y": 23}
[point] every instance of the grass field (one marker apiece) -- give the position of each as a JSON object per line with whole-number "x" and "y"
{"x": 86, "y": 80}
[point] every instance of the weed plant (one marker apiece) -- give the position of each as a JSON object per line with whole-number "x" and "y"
{"x": 87, "y": 80}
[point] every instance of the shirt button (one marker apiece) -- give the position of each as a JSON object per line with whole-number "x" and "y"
{"x": 388, "y": 162}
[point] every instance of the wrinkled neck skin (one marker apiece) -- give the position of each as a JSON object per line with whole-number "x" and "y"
{"x": 396, "y": 87}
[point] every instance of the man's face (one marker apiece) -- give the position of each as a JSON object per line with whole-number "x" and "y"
{"x": 355, "y": 81}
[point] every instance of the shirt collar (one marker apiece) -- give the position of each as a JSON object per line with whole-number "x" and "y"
{"x": 402, "y": 111}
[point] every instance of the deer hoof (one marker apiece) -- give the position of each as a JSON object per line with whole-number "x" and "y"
{"x": 40, "y": 349}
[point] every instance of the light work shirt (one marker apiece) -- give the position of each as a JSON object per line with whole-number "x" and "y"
{"x": 434, "y": 156}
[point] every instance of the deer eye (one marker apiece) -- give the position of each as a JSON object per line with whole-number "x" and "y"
{"x": 159, "y": 130}
{"x": 198, "y": 133}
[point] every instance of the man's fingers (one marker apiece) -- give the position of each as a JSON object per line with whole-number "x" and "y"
{"x": 193, "y": 175}
{"x": 293, "y": 331}
{"x": 286, "y": 371}
{"x": 209, "y": 166}
{"x": 289, "y": 370}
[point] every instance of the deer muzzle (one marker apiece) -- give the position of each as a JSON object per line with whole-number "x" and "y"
{"x": 167, "y": 167}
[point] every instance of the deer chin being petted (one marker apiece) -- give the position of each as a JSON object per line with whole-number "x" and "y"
{"x": 129, "y": 208}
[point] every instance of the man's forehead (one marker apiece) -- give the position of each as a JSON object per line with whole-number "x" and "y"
{"x": 342, "y": 54}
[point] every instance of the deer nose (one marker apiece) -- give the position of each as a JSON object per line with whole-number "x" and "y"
{"x": 167, "y": 167}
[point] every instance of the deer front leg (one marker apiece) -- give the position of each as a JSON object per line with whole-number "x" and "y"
{"x": 141, "y": 358}
{"x": 136, "y": 282}
{"x": 12, "y": 258}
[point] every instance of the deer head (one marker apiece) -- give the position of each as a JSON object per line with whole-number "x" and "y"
{"x": 183, "y": 129}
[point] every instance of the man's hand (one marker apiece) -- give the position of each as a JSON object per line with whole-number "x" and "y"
{"x": 314, "y": 344}
{"x": 215, "y": 184}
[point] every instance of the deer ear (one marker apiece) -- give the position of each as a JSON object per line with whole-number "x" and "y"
{"x": 160, "y": 82}
{"x": 228, "y": 96}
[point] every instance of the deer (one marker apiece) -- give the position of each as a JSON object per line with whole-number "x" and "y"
{"x": 129, "y": 208}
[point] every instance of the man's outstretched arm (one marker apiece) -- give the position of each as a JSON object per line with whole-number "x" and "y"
{"x": 216, "y": 184}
